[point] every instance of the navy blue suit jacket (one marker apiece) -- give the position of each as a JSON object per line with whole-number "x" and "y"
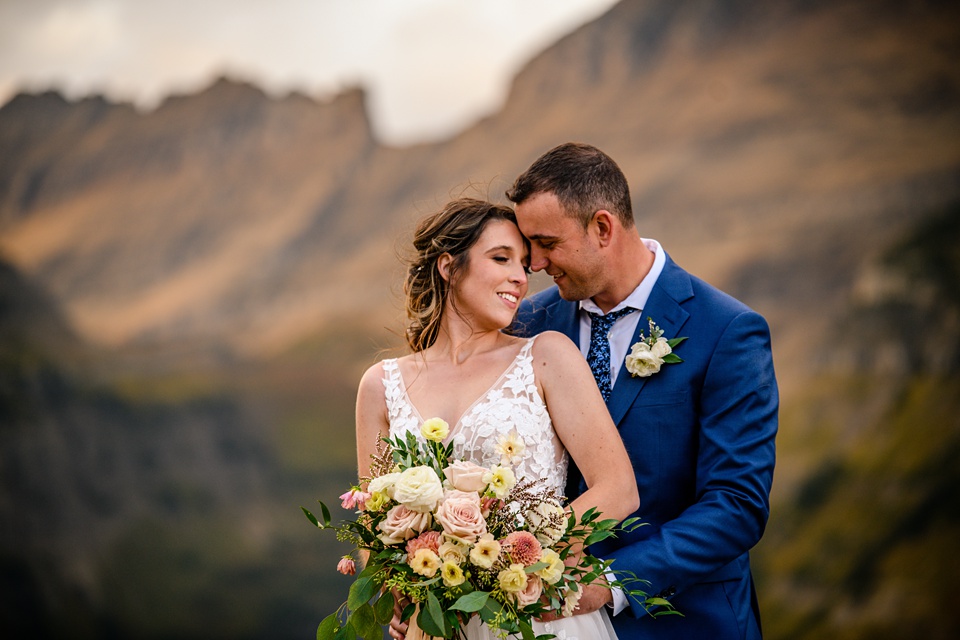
{"x": 701, "y": 437}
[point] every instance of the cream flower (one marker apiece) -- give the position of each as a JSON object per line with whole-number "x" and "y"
{"x": 571, "y": 601}
{"x": 452, "y": 574}
{"x": 548, "y": 522}
{"x": 485, "y": 552}
{"x": 513, "y": 579}
{"x": 383, "y": 484}
{"x": 552, "y": 573}
{"x": 501, "y": 479}
{"x": 642, "y": 362}
{"x": 419, "y": 489}
{"x": 661, "y": 348}
{"x": 453, "y": 551}
{"x": 435, "y": 429}
{"x": 425, "y": 562}
{"x": 510, "y": 448}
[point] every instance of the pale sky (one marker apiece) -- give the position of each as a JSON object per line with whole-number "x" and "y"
{"x": 430, "y": 67}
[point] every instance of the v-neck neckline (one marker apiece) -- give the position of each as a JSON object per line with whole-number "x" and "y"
{"x": 481, "y": 397}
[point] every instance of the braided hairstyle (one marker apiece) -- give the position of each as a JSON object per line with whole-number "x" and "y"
{"x": 453, "y": 230}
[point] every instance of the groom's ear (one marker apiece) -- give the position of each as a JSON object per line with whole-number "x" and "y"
{"x": 603, "y": 226}
{"x": 443, "y": 266}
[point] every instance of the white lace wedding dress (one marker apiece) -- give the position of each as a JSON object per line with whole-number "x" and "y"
{"x": 511, "y": 404}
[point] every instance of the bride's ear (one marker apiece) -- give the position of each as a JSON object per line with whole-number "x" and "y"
{"x": 443, "y": 266}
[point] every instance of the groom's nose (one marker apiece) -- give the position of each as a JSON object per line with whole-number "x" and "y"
{"x": 538, "y": 259}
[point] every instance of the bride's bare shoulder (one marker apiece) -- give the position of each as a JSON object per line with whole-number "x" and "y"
{"x": 551, "y": 345}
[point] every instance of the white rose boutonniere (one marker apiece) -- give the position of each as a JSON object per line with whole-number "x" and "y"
{"x": 652, "y": 352}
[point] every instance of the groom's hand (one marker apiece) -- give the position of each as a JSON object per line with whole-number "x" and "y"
{"x": 593, "y": 597}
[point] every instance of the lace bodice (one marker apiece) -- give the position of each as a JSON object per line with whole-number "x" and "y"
{"x": 511, "y": 404}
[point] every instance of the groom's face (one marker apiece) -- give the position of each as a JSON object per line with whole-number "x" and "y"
{"x": 560, "y": 246}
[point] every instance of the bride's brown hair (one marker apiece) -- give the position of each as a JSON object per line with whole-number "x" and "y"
{"x": 454, "y": 230}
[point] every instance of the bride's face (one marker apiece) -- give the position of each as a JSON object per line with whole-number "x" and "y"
{"x": 489, "y": 290}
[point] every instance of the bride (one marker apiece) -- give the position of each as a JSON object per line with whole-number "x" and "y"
{"x": 463, "y": 288}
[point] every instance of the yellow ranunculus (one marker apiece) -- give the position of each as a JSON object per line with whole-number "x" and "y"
{"x": 551, "y": 573}
{"x": 435, "y": 429}
{"x": 501, "y": 480}
{"x": 425, "y": 562}
{"x": 513, "y": 579}
{"x": 452, "y": 574}
{"x": 486, "y": 551}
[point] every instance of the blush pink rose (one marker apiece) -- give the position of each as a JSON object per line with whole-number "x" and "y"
{"x": 466, "y": 476}
{"x": 461, "y": 517}
{"x": 426, "y": 540}
{"x": 402, "y": 524}
{"x": 530, "y": 593}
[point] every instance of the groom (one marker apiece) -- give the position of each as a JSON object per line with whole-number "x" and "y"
{"x": 700, "y": 432}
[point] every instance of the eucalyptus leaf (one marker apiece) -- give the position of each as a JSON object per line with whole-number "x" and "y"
{"x": 364, "y": 622}
{"x": 329, "y": 626}
{"x": 431, "y": 618}
{"x": 472, "y": 602}
{"x": 360, "y": 592}
{"x": 383, "y": 609}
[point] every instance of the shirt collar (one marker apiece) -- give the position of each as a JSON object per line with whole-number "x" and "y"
{"x": 638, "y": 297}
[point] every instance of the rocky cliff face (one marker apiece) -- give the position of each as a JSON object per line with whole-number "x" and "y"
{"x": 241, "y": 251}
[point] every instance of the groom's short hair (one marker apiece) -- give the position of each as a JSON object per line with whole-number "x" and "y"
{"x": 584, "y": 180}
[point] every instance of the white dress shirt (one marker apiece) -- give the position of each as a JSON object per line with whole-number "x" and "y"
{"x": 623, "y": 330}
{"x": 620, "y": 336}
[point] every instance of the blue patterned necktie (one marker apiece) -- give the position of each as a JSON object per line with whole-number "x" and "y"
{"x": 598, "y": 357}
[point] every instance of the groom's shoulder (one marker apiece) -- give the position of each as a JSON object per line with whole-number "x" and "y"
{"x": 539, "y": 303}
{"x": 707, "y": 296}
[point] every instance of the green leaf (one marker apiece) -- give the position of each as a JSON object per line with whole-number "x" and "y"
{"x": 431, "y": 618}
{"x": 673, "y": 342}
{"x": 360, "y": 592}
{"x": 329, "y": 626}
{"x": 536, "y": 567}
{"x": 364, "y": 622}
{"x": 672, "y": 358}
{"x": 472, "y": 602}
{"x": 326, "y": 514}
{"x": 346, "y": 632}
{"x": 526, "y": 631}
{"x": 657, "y": 602}
{"x": 597, "y": 536}
{"x": 311, "y": 518}
{"x": 490, "y": 610}
{"x": 383, "y": 609}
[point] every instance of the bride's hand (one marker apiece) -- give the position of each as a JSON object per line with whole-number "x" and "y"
{"x": 398, "y": 629}
{"x": 593, "y": 597}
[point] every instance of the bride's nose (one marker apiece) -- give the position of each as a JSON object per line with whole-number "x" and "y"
{"x": 519, "y": 275}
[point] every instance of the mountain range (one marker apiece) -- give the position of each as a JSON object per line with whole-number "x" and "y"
{"x": 232, "y": 259}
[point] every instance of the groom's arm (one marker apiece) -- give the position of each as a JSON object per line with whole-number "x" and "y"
{"x": 734, "y": 468}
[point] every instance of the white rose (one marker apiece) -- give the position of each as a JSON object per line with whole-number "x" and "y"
{"x": 642, "y": 362}
{"x": 661, "y": 348}
{"x": 540, "y": 518}
{"x": 418, "y": 488}
{"x": 383, "y": 484}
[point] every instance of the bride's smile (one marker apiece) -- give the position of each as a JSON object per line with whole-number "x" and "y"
{"x": 488, "y": 291}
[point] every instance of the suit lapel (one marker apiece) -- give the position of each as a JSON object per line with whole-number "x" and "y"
{"x": 664, "y": 306}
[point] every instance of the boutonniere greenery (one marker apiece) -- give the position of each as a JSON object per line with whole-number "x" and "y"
{"x": 652, "y": 352}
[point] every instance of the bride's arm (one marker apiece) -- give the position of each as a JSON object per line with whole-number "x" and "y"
{"x": 582, "y": 422}
{"x": 372, "y": 424}
{"x": 371, "y": 417}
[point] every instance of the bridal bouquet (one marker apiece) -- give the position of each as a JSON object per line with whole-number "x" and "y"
{"x": 455, "y": 539}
